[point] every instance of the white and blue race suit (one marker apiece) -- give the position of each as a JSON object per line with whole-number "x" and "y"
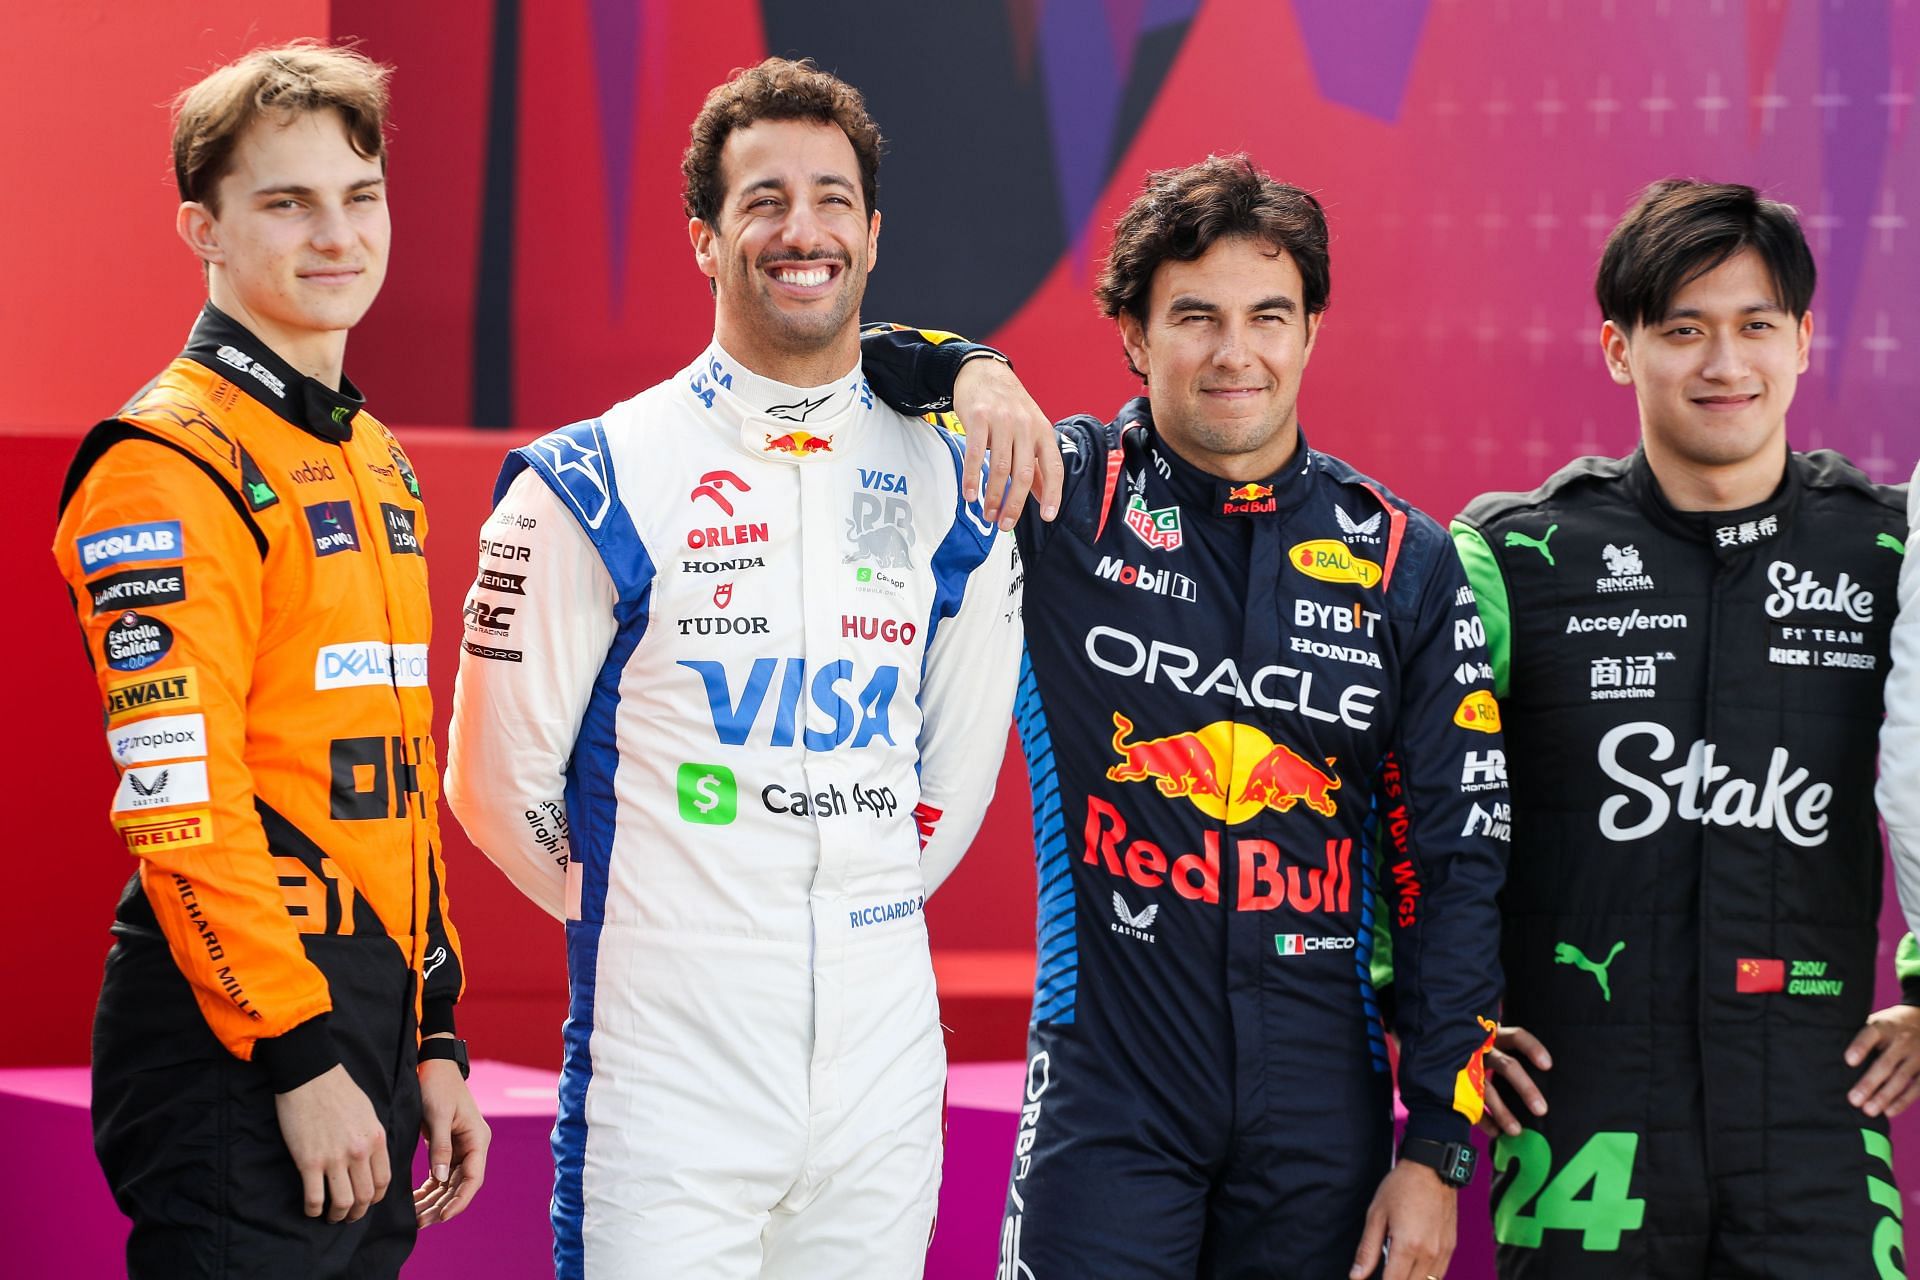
{"x": 734, "y": 689}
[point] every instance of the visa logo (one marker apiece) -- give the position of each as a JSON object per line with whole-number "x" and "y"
{"x": 884, "y": 481}
{"x": 862, "y": 720}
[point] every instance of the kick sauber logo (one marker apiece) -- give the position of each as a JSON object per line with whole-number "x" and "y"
{"x": 1330, "y": 560}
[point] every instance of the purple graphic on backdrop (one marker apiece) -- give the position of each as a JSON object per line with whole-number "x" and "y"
{"x": 616, "y": 74}
{"x": 1362, "y": 53}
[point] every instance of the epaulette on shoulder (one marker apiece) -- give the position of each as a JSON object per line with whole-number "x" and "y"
{"x": 1827, "y": 469}
{"x": 1490, "y": 508}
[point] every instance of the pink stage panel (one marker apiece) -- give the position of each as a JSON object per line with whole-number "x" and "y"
{"x": 59, "y": 1220}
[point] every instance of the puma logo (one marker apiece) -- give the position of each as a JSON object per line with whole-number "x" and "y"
{"x": 1517, "y": 539}
{"x": 1890, "y": 542}
{"x": 1567, "y": 953}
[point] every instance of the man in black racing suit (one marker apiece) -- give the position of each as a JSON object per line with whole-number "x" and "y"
{"x": 1243, "y": 658}
{"x": 1689, "y": 646}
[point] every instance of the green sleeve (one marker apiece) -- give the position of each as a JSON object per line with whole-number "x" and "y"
{"x": 1906, "y": 964}
{"x": 1490, "y": 593}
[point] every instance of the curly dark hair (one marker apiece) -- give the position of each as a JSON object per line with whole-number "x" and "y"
{"x": 1680, "y": 229}
{"x": 777, "y": 89}
{"x": 1180, "y": 213}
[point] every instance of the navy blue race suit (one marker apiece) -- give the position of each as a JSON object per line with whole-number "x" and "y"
{"x": 1228, "y": 690}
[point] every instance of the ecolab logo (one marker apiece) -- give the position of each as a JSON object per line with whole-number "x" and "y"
{"x": 368, "y": 662}
{"x": 157, "y": 541}
{"x": 1161, "y": 582}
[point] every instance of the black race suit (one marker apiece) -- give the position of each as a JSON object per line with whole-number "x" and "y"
{"x": 1690, "y": 921}
{"x": 1227, "y": 688}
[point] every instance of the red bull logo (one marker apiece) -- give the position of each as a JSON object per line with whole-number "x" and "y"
{"x": 1180, "y": 764}
{"x": 1269, "y": 879}
{"x": 1283, "y": 778}
{"x": 1249, "y": 500}
{"x": 800, "y": 444}
{"x": 1470, "y": 1083}
{"x": 1228, "y": 771}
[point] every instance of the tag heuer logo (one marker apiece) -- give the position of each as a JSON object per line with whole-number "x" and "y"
{"x": 1158, "y": 528}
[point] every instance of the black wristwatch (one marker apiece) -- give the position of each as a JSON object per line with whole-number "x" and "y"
{"x": 1453, "y": 1161}
{"x": 454, "y": 1051}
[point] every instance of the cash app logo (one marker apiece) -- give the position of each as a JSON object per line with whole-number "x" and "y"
{"x": 708, "y": 794}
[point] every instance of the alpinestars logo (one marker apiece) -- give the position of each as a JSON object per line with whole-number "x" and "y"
{"x": 1352, "y": 530}
{"x": 1624, "y": 570}
{"x": 798, "y": 411}
{"x": 1131, "y": 925}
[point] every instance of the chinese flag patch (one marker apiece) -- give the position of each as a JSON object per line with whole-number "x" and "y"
{"x": 1758, "y": 977}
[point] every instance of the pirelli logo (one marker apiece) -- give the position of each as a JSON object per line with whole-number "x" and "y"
{"x": 177, "y": 688}
{"x": 175, "y": 831}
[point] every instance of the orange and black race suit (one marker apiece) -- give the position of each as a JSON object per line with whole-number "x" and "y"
{"x": 244, "y": 550}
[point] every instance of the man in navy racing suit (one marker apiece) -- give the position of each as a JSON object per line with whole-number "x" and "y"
{"x": 1243, "y": 658}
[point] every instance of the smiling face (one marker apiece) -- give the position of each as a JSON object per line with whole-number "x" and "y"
{"x": 1714, "y": 376}
{"x": 1223, "y": 347}
{"x": 789, "y": 250}
{"x": 298, "y": 249}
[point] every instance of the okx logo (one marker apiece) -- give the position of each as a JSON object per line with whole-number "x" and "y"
{"x": 708, "y": 794}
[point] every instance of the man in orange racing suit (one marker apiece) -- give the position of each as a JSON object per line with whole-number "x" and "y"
{"x": 243, "y": 544}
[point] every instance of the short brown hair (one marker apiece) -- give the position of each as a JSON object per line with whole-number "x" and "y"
{"x": 1180, "y": 213}
{"x": 1680, "y": 229}
{"x": 777, "y": 89}
{"x": 284, "y": 82}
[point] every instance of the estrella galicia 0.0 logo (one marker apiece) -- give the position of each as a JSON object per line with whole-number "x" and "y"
{"x": 333, "y": 528}
{"x": 135, "y": 641}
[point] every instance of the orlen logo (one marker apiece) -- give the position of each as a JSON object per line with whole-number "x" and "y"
{"x": 1268, "y": 879}
{"x": 1330, "y": 560}
{"x": 1478, "y": 711}
{"x": 730, "y": 535}
{"x": 1264, "y": 774}
{"x": 1702, "y": 790}
{"x": 369, "y": 662}
{"x": 799, "y": 444}
{"x": 736, "y": 717}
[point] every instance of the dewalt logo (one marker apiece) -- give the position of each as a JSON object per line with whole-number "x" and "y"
{"x": 177, "y": 688}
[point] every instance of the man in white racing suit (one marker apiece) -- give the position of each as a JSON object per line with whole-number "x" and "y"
{"x": 1898, "y": 792}
{"x": 734, "y": 689}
